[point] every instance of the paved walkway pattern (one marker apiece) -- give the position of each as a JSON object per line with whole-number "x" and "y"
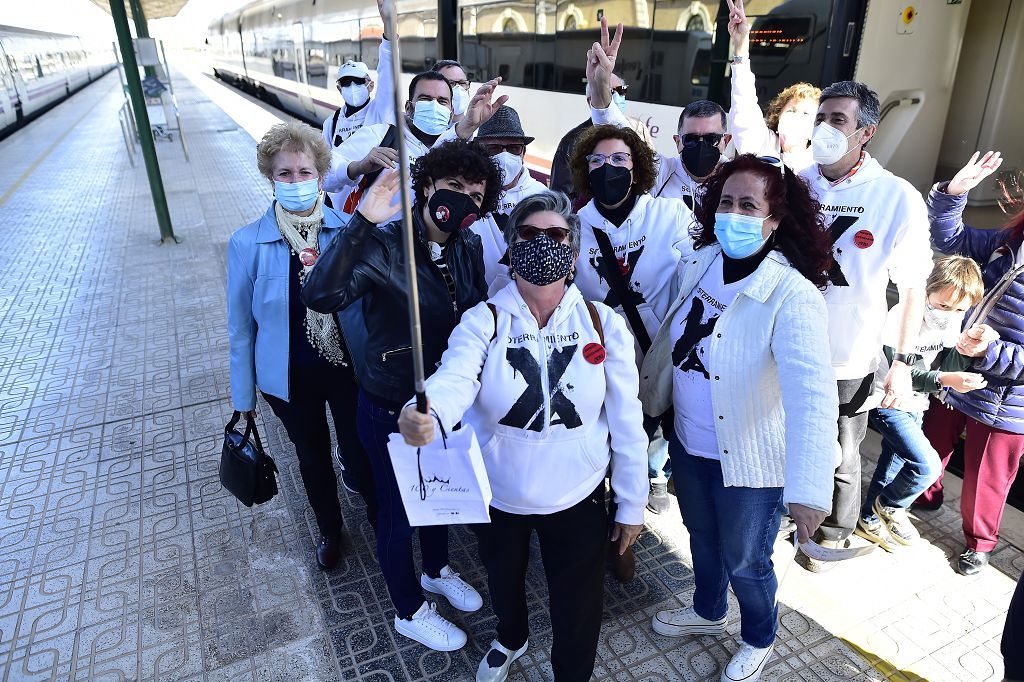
{"x": 121, "y": 558}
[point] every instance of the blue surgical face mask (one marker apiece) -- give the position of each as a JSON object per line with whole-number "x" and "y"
{"x": 431, "y": 117}
{"x": 619, "y": 101}
{"x": 296, "y": 197}
{"x": 740, "y": 235}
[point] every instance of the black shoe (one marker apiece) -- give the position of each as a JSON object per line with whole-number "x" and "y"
{"x": 934, "y": 505}
{"x": 971, "y": 561}
{"x": 623, "y": 565}
{"x": 329, "y": 551}
{"x": 657, "y": 498}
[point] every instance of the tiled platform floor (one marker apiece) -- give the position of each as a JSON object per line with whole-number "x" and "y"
{"x": 122, "y": 559}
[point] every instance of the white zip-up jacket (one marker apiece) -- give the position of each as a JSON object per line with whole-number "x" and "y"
{"x": 772, "y": 386}
{"x": 491, "y": 231}
{"x": 878, "y": 224}
{"x": 651, "y": 240}
{"x": 549, "y": 421}
{"x": 750, "y": 133}
{"x": 356, "y": 147}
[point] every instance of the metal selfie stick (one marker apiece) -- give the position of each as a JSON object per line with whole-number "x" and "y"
{"x": 409, "y": 235}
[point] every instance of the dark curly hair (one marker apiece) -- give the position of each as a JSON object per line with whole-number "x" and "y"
{"x": 645, "y": 170}
{"x": 456, "y": 157}
{"x": 801, "y": 236}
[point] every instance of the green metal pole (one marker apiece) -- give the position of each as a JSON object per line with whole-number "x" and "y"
{"x": 131, "y": 72}
{"x": 141, "y": 28}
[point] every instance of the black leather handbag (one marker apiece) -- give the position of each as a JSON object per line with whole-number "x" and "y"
{"x": 246, "y": 471}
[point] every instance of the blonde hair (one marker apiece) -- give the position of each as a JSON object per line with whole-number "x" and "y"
{"x": 293, "y": 136}
{"x": 961, "y": 274}
{"x": 797, "y": 91}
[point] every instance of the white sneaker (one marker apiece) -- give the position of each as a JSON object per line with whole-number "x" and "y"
{"x": 431, "y": 629}
{"x": 747, "y": 664}
{"x": 494, "y": 666}
{"x": 457, "y": 591}
{"x": 679, "y": 622}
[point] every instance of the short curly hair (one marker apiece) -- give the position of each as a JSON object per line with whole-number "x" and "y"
{"x": 796, "y": 91}
{"x": 292, "y": 136}
{"x": 457, "y": 158}
{"x": 645, "y": 169}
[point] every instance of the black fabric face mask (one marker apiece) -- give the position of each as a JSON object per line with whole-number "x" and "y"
{"x": 541, "y": 260}
{"x": 451, "y": 210}
{"x": 610, "y": 184}
{"x": 700, "y": 159}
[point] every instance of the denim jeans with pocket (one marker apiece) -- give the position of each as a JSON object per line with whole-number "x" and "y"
{"x": 732, "y": 534}
{"x": 907, "y": 465}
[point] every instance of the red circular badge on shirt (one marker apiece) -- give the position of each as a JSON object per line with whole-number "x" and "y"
{"x": 594, "y": 353}
{"x": 863, "y": 239}
{"x": 307, "y": 257}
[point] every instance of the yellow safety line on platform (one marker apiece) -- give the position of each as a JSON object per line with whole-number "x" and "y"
{"x": 42, "y": 157}
{"x": 887, "y": 670}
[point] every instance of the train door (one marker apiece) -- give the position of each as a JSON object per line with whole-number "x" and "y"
{"x": 302, "y": 89}
{"x": 8, "y": 95}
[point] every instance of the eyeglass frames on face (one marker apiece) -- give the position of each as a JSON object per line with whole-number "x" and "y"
{"x": 516, "y": 149}
{"x": 346, "y": 81}
{"x": 616, "y": 159}
{"x": 529, "y": 232}
{"x": 693, "y": 139}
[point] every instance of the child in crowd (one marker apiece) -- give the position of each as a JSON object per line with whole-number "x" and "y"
{"x": 908, "y": 463}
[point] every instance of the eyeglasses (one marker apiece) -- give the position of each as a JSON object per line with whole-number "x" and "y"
{"x": 515, "y": 149}
{"x": 462, "y": 84}
{"x": 530, "y": 232}
{"x": 693, "y": 139}
{"x": 346, "y": 81}
{"x": 617, "y": 159}
{"x": 774, "y": 161}
{"x": 621, "y": 89}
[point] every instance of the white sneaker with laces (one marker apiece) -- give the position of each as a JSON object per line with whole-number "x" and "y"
{"x": 431, "y": 629}
{"x": 679, "y": 622}
{"x": 747, "y": 664}
{"x": 457, "y": 591}
{"x": 494, "y": 666}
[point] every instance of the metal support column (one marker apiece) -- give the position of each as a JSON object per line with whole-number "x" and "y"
{"x": 131, "y": 73}
{"x": 447, "y": 29}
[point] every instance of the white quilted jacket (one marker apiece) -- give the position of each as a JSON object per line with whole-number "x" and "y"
{"x": 772, "y": 383}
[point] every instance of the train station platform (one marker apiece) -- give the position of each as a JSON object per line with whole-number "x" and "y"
{"x": 121, "y": 558}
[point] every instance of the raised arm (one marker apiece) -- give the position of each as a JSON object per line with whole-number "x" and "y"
{"x": 750, "y": 133}
{"x": 946, "y": 203}
{"x": 382, "y": 108}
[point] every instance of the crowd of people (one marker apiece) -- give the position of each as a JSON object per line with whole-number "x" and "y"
{"x": 713, "y": 323}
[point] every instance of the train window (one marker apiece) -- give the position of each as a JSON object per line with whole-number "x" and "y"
{"x": 419, "y": 40}
{"x": 339, "y": 41}
{"x": 282, "y": 56}
{"x": 370, "y": 32}
{"x": 498, "y": 39}
{"x": 316, "y": 65}
{"x": 779, "y": 36}
{"x": 681, "y": 51}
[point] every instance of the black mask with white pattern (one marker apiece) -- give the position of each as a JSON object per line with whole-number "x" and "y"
{"x": 541, "y": 260}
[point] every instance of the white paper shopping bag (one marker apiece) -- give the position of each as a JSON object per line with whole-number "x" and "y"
{"x": 442, "y": 483}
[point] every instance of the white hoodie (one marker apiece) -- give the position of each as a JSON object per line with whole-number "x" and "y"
{"x": 549, "y": 421}
{"x": 651, "y": 240}
{"x": 883, "y": 223}
{"x": 491, "y": 232}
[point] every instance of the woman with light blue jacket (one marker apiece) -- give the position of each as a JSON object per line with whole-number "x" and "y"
{"x": 743, "y": 358}
{"x": 296, "y": 357}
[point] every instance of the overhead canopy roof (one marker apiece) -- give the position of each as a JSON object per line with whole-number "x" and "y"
{"x": 153, "y": 9}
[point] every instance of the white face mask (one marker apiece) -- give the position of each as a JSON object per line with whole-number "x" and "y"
{"x": 796, "y": 128}
{"x": 942, "y": 319}
{"x": 460, "y": 100}
{"x": 511, "y": 166}
{"x": 828, "y": 145}
{"x": 355, "y": 95}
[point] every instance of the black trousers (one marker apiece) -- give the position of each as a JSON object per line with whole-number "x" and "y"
{"x": 1012, "y": 645}
{"x": 304, "y": 417}
{"x": 572, "y": 548}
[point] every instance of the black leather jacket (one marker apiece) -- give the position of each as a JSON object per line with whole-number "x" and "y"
{"x": 366, "y": 263}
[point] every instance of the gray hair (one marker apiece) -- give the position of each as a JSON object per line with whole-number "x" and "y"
{"x": 869, "y": 110}
{"x": 556, "y": 202}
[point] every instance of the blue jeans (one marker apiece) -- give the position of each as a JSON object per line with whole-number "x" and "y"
{"x": 732, "y": 533}
{"x": 908, "y": 464}
{"x": 658, "y": 464}
{"x": 394, "y": 534}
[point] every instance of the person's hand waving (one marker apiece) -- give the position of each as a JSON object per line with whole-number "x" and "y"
{"x": 976, "y": 170}
{"x": 379, "y": 202}
{"x": 601, "y": 65}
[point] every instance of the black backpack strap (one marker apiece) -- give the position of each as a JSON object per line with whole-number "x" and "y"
{"x": 390, "y": 141}
{"x": 334, "y": 127}
{"x": 494, "y": 314}
{"x": 618, "y": 284}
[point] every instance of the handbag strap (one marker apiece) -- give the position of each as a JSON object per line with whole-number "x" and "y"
{"x": 250, "y": 429}
{"x": 618, "y": 284}
{"x": 419, "y": 462}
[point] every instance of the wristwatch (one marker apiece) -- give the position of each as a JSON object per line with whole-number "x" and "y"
{"x": 909, "y": 359}
{"x": 737, "y": 58}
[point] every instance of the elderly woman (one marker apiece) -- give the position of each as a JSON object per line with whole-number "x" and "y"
{"x": 295, "y": 356}
{"x": 743, "y": 359}
{"x": 785, "y": 128}
{"x": 549, "y": 383}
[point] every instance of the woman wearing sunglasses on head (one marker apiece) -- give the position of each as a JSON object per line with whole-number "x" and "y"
{"x": 549, "y": 383}
{"x": 743, "y": 360}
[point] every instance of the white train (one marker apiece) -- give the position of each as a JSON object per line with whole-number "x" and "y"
{"x": 675, "y": 51}
{"x": 39, "y": 69}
